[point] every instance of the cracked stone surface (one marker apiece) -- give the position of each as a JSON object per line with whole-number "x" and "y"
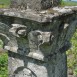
{"x": 37, "y": 41}
{"x": 31, "y": 4}
{"x": 40, "y": 16}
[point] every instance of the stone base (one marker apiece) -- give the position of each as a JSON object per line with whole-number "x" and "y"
{"x": 20, "y": 66}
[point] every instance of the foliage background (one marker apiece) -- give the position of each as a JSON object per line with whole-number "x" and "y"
{"x": 3, "y": 62}
{"x": 72, "y": 55}
{"x": 4, "y": 3}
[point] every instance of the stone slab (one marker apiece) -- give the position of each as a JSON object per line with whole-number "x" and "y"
{"x": 41, "y": 16}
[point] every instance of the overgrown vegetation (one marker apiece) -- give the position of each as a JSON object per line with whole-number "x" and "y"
{"x": 72, "y": 55}
{"x": 4, "y": 3}
{"x": 3, "y": 63}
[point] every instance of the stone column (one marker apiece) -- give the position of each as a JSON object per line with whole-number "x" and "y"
{"x": 40, "y": 52}
{"x": 37, "y": 41}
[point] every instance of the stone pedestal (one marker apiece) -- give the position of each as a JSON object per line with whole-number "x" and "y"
{"x": 20, "y": 66}
{"x": 37, "y": 42}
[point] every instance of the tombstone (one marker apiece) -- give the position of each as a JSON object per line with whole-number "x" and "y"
{"x": 37, "y": 41}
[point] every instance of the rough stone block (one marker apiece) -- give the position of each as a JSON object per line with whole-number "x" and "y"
{"x": 31, "y": 4}
{"x": 36, "y": 42}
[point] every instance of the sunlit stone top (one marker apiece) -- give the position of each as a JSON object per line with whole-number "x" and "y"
{"x": 41, "y": 16}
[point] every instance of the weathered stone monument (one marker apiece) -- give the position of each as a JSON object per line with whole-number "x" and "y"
{"x": 37, "y": 36}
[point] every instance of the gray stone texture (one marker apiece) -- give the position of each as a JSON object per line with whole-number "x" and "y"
{"x": 37, "y": 42}
{"x": 31, "y": 4}
{"x": 36, "y": 5}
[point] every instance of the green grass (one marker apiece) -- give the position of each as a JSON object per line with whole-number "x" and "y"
{"x": 68, "y": 3}
{"x": 4, "y": 3}
{"x": 72, "y": 55}
{"x": 4, "y": 65}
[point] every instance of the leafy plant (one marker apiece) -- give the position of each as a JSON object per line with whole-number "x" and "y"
{"x": 3, "y": 63}
{"x": 72, "y": 54}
